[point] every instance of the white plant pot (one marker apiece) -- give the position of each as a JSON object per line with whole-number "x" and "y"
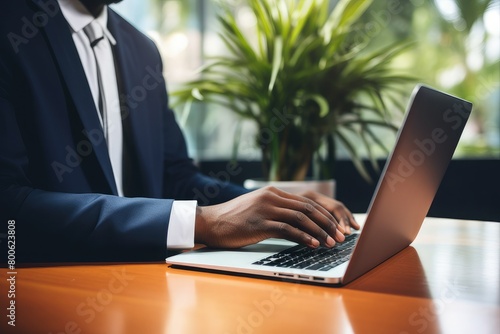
{"x": 325, "y": 187}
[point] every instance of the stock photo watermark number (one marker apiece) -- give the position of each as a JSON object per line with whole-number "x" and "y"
{"x": 11, "y": 273}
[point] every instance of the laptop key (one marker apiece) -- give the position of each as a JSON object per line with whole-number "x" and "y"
{"x": 316, "y": 266}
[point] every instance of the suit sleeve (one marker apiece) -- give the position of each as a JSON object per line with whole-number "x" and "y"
{"x": 53, "y": 226}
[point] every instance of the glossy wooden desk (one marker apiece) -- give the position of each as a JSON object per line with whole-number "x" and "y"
{"x": 446, "y": 282}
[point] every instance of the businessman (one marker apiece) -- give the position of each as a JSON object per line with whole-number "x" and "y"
{"x": 93, "y": 165}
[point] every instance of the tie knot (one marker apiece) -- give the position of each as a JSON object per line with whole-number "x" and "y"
{"x": 94, "y": 32}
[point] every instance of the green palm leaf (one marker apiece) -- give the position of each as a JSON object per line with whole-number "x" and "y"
{"x": 304, "y": 60}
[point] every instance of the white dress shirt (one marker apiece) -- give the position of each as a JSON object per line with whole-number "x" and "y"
{"x": 182, "y": 216}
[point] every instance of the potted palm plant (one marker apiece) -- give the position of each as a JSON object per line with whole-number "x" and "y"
{"x": 307, "y": 81}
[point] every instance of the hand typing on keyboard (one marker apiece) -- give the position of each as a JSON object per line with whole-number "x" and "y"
{"x": 313, "y": 220}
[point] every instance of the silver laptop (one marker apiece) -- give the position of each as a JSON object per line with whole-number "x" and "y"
{"x": 432, "y": 126}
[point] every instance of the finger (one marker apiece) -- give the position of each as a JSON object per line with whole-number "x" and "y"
{"x": 291, "y": 215}
{"x": 283, "y": 230}
{"x": 345, "y": 217}
{"x": 336, "y": 208}
{"x": 344, "y": 221}
{"x": 305, "y": 217}
{"x": 329, "y": 228}
{"x": 353, "y": 222}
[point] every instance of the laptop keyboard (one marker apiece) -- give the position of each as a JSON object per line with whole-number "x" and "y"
{"x": 321, "y": 258}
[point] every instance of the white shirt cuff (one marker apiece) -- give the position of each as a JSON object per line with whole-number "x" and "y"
{"x": 180, "y": 234}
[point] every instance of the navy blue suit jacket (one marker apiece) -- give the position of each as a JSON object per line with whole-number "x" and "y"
{"x": 56, "y": 179}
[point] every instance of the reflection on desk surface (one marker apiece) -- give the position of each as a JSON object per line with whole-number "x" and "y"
{"x": 446, "y": 282}
{"x": 341, "y": 309}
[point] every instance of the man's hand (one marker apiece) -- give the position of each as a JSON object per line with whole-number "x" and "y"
{"x": 273, "y": 213}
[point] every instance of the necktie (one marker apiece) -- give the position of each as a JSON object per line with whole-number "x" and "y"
{"x": 109, "y": 103}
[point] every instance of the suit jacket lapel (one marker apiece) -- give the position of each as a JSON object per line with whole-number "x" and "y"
{"x": 60, "y": 39}
{"x": 149, "y": 160}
